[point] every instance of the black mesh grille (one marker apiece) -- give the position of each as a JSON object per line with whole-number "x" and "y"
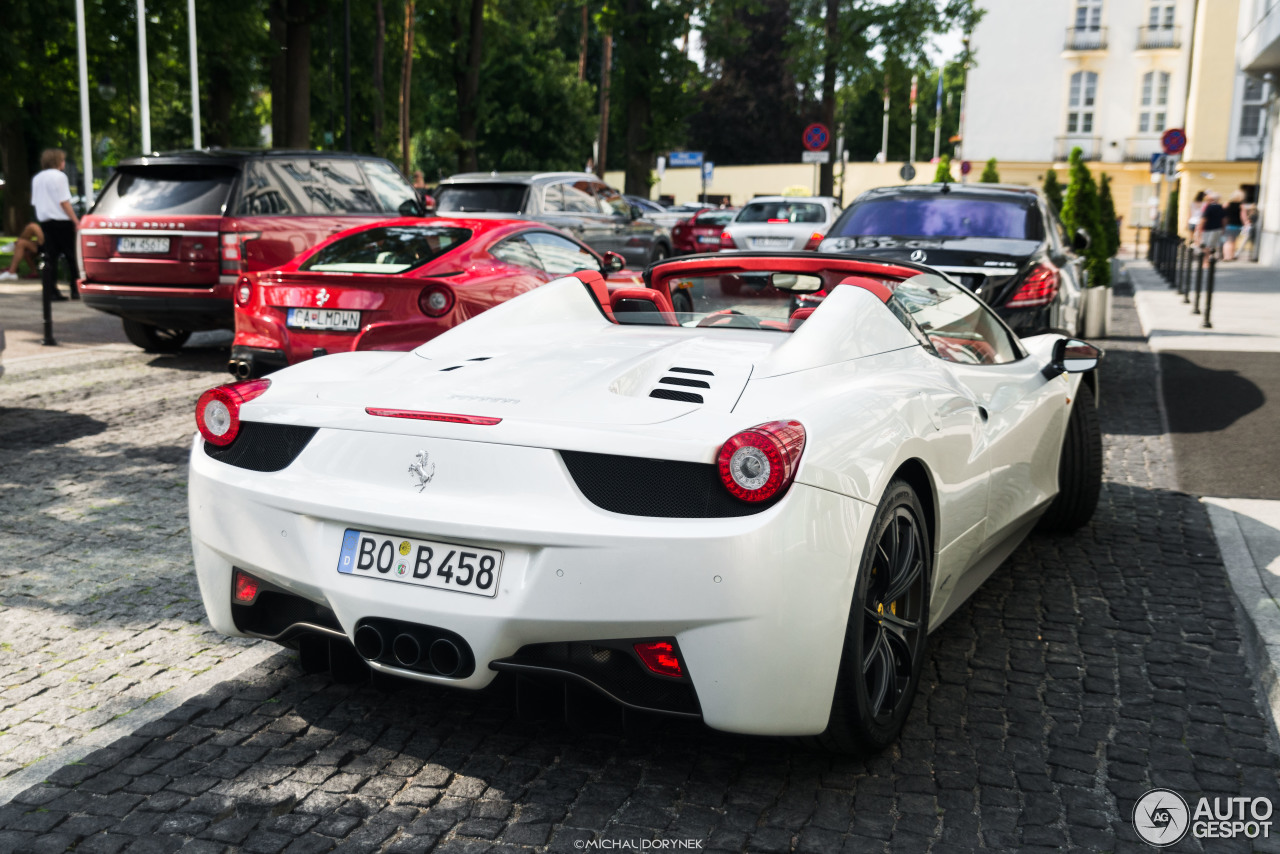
{"x": 262, "y": 447}
{"x": 693, "y": 371}
{"x": 672, "y": 394}
{"x": 612, "y": 666}
{"x": 684, "y": 381}
{"x": 639, "y": 486}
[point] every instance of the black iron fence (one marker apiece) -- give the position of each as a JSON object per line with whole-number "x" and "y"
{"x": 1179, "y": 263}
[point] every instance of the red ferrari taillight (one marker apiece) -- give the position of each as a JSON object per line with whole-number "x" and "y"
{"x": 436, "y": 300}
{"x": 726, "y": 241}
{"x": 218, "y": 409}
{"x": 1039, "y": 288}
{"x": 244, "y": 587}
{"x": 660, "y": 657}
{"x": 244, "y": 291}
{"x": 814, "y": 240}
{"x": 760, "y": 463}
{"x": 233, "y": 256}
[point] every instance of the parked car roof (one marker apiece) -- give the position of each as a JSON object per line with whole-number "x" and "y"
{"x": 528, "y": 177}
{"x": 231, "y": 156}
{"x": 934, "y": 189}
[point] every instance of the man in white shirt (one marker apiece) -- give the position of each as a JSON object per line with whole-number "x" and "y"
{"x": 51, "y": 196}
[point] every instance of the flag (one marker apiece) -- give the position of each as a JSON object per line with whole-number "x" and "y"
{"x": 915, "y": 79}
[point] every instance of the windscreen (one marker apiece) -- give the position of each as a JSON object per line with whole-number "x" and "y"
{"x": 480, "y": 198}
{"x": 715, "y": 218}
{"x": 782, "y": 212}
{"x": 742, "y": 300}
{"x": 167, "y": 191}
{"x": 391, "y": 250}
{"x": 951, "y": 215}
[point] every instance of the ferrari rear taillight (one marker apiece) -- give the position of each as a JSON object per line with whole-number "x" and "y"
{"x": 218, "y": 409}
{"x": 244, "y": 587}
{"x": 814, "y": 240}
{"x": 726, "y": 241}
{"x": 244, "y": 291}
{"x": 436, "y": 300}
{"x": 660, "y": 657}
{"x": 233, "y": 254}
{"x": 760, "y": 463}
{"x": 1039, "y": 288}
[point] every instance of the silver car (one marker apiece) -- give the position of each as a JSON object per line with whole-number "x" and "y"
{"x": 780, "y": 223}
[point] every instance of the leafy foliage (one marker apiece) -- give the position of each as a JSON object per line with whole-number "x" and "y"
{"x": 943, "y": 175}
{"x": 1053, "y": 190}
{"x": 989, "y": 174}
{"x": 1081, "y": 210}
{"x": 1107, "y": 216}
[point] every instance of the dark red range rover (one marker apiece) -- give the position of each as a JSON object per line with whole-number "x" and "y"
{"x": 171, "y": 233}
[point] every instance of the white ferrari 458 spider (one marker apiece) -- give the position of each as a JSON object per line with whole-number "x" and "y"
{"x": 744, "y": 493}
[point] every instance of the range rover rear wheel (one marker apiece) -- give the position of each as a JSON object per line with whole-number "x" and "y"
{"x": 153, "y": 339}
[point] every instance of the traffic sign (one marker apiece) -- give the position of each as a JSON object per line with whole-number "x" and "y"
{"x": 907, "y": 172}
{"x": 708, "y": 169}
{"x": 965, "y": 167}
{"x": 1157, "y": 163}
{"x": 1174, "y": 140}
{"x": 815, "y": 157}
{"x": 816, "y": 137}
{"x": 684, "y": 158}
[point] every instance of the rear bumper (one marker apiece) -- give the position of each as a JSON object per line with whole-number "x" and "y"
{"x": 193, "y": 308}
{"x": 758, "y": 605}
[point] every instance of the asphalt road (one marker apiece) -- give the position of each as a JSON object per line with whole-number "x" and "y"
{"x": 1089, "y": 669}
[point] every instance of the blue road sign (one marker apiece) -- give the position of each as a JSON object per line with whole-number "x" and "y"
{"x": 1157, "y": 163}
{"x": 684, "y": 158}
{"x": 708, "y": 169}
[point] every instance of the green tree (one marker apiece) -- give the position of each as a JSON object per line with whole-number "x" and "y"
{"x": 1170, "y": 222}
{"x": 1053, "y": 191}
{"x": 943, "y": 175}
{"x": 1107, "y": 214}
{"x": 1080, "y": 210}
{"x": 989, "y": 174}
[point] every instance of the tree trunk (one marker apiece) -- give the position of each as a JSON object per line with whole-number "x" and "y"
{"x": 826, "y": 180}
{"x": 582, "y": 46}
{"x": 298, "y": 66}
{"x": 469, "y": 92}
{"x": 13, "y": 160}
{"x": 406, "y": 77}
{"x": 606, "y": 73}
{"x": 380, "y": 98}
{"x": 279, "y": 76}
{"x": 639, "y": 154}
{"x": 218, "y": 124}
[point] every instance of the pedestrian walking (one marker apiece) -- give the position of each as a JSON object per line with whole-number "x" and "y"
{"x": 51, "y": 196}
{"x": 25, "y": 248}
{"x": 1197, "y": 208}
{"x": 1237, "y": 218}
{"x": 1209, "y": 231}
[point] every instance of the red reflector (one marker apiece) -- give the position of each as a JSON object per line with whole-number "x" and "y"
{"x": 784, "y": 219}
{"x": 660, "y": 657}
{"x": 1039, "y": 288}
{"x": 448, "y": 417}
{"x": 246, "y": 587}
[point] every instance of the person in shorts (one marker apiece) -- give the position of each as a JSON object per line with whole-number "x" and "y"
{"x": 1236, "y": 220}
{"x": 51, "y": 197}
{"x": 1211, "y": 228}
{"x": 25, "y": 248}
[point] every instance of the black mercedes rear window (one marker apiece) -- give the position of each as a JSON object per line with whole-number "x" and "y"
{"x": 951, "y": 215}
{"x": 167, "y": 191}
{"x": 481, "y": 198}
{"x": 390, "y": 250}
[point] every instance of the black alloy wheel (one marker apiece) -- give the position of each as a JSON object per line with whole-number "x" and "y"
{"x": 659, "y": 253}
{"x": 887, "y": 631}
{"x": 153, "y": 339}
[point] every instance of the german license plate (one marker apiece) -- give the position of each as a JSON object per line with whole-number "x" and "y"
{"x": 331, "y": 319}
{"x": 707, "y": 238}
{"x": 143, "y": 245}
{"x": 426, "y": 563}
{"x": 771, "y": 242}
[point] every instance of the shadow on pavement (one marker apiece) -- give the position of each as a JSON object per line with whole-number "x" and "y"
{"x": 26, "y": 429}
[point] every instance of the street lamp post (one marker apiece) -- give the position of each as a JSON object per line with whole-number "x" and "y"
{"x": 86, "y": 138}
{"x": 145, "y": 110}
{"x": 195, "y": 76}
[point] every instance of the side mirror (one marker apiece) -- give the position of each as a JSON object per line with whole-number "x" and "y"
{"x": 636, "y": 213}
{"x": 1081, "y": 241}
{"x": 1072, "y": 356}
{"x": 613, "y": 262}
{"x": 411, "y": 207}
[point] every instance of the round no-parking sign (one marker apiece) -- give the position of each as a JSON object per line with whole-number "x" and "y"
{"x": 816, "y": 137}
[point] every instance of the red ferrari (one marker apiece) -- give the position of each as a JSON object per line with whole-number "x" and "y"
{"x": 395, "y": 284}
{"x": 701, "y": 232}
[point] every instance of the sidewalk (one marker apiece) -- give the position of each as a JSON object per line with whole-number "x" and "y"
{"x": 1244, "y": 336}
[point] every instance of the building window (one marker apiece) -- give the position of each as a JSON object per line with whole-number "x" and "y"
{"x": 1084, "y": 90}
{"x": 1253, "y": 103}
{"x": 1155, "y": 102}
{"x": 1088, "y": 14}
{"x": 1160, "y": 14}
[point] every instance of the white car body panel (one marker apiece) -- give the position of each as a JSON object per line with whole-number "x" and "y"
{"x": 746, "y": 597}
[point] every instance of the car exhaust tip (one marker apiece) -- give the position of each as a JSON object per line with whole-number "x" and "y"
{"x": 369, "y": 643}
{"x": 445, "y": 657}
{"x": 406, "y": 649}
{"x": 244, "y": 370}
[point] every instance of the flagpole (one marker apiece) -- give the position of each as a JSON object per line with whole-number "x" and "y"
{"x": 884, "y": 136}
{"x": 86, "y": 136}
{"x": 195, "y": 76}
{"x": 145, "y": 108}
{"x": 937, "y": 121}
{"x": 911, "y": 155}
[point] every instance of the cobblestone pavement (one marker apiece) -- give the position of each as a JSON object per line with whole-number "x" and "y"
{"x": 1087, "y": 670}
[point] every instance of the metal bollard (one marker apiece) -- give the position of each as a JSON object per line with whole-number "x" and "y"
{"x": 1208, "y": 291}
{"x": 1151, "y": 245}
{"x": 1185, "y": 290}
{"x": 1179, "y": 260}
{"x": 1195, "y": 307}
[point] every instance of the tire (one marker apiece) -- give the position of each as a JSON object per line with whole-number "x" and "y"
{"x": 153, "y": 339}
{"x": 660, "y": 253}
{"x": 885, "y": 640}
{"x": 682, "y": 302}
{"x": 1079, "y": 468}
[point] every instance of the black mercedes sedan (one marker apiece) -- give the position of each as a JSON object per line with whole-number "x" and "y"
{"x": 1004, "y": 242}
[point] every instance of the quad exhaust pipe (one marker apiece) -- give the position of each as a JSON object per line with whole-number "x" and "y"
{"x": 420, "y": 648}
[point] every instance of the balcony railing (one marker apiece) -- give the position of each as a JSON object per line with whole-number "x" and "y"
{"x": 1090, "y": 147}
{"x": 1086, "y": 38}
{"x": 1157, "y": 38}
{"x": 1138, "y": 149}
